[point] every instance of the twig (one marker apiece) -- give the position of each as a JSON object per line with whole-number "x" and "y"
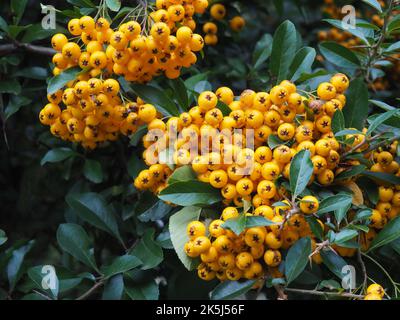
{"x": 42, "y": 295}
{"x": 323, "y": 293}
{"x": 281, "y": 292}
{"x": 91, "y": 290}
{"x": 11, "y": 47}
{"x": 361, "y": 144}
{"x": 363, "y": 269}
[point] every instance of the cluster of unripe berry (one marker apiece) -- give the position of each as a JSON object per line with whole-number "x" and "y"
{"x": 90, "y": 111}
{"x": 217, "y": 13}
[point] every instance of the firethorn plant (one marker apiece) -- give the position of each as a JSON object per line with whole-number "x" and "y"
{"x": 201, "y": 144}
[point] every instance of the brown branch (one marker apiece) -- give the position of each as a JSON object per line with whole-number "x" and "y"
{"x": 323, "y": 293}
{"x": 16, "y": 45}
{"x": 91, "y": 290}
{"x": 281, "y": 292}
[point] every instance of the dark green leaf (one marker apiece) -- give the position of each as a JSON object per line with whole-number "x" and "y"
{"x": 184, "y": 173}
{"x": 58, "y": 82}
{"x": 113, "y": 5}
{"x": 156, "y": 212}
{"x": 147, "y": 291}
{"x": 157, "y": 97}
{"x": 237, "y": 225}
{"x": 283, "y": 50}
{"x": 262, "y": 51}
{"x": 374, "y": 4}
{"x": 274, "y": 141}
{"x": 45, "y": 276}
{"x": 353, "y": 171}
{"x": 121, "y": 264}
{"x": 93, "y": 208}
{"x": 333, "y": 203}
{"x": 334, "y": 262}
{"x": 339, "y": 55}
{"x": 180, "y": 93}
{"x": 177, "y": 229}
{"x": 354, "y": 31}
{"x": 57, "y": 155}
{"x": 3, "y": 237}
{"x": 14, "y": 266}
{"x": 114, "y": 288}
{"x": 18, "y": 9}
{"x": 302, "y": 63}
{"x": 345, "y": 235}
{"x": 338, "y": 122}
{"x": 357, "y": 104}
{"x": 297, "y": 258}
{"x": 10, "y": 86}
{"x": 389, "y": 233}
{"x": 93, "y": 171}
{"x": 15, "y": 104}
{"x": 148, "y": 251}
{"x": 190, "y": 193}
{"x": 258, "y": 221}
{"x": 73, "y": 239}
{"x": 382, "y": 176}
{"x": 381, "y": 119}
{"x": 301, "y": 170}
{"x": 229, "y": 290}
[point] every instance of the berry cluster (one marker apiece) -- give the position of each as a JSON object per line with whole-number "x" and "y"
{"x": 162, "y": 43}
{"x": 217, "y": 13}
{"x": 90, "y": 111}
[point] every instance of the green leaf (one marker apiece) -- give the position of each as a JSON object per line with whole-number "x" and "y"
{"x": 73, "y": 239}
{"x": 283, "y": 50}
{"x": 382, "y": 105}
{"x": 58, "y": 82}
{"x": 333, "y": 262}
{"x": 341, "y": 213}
{"x": 15, "y": 103}
{"x": 315, "y": 226}
{"x": 354, "y": 31}
{"x": 92, "y": 171}
{"x": 237, "y": 225}
{"x": 93, "y": 208}
{"x": 374, "y": 4}
{"x": 333, "y": 203}
{"x": 157, "y": 97}
{"x": 389, "y": 233}
{"x": 113, "y": 5}
{"x": 114, "y": 288}
{"x": 357, "y": 104}
{"x": 338, "y": 123}
{"x": 18, "y": 9}
{"x": 394, "y": 24}
{"x": 302, "y": 63}
{"x": 121, "y": 264}
{"x": 3, "y": 237}
{"x": 148, "y": 251}
{"x": 11, "y": 86}
{"x": 4, "y": 25}
{"x": 177, "y": 228}
{"x": 393, "y": 47}
{"x": 262, "y": 51}
{"x": 14, "y": 266}
{"x": 38, "y": 275}
{"x": 363, "y": 214}
{"x": 190, "y": 193}
{"x": 353, "y": 171}
{"x": 339, "y": 55}
{"x": 274, "y": 141}
{"x": 345, "y": 235}
{"x": 383, "y": 177}
{"x": 180, "y": 93}
{"x": 229, "y": 290}
{"x": 301, "y": 170}
{"x": 224, "y": 108}
{"x": 184, "y": 173}
{"x": 147, "y": 291}
{"x": 156, "y": 212}
{"x": 191, "y": 82}
{"x": 57, "y": 155}
{"x": 258, "y": 221}
{"x": 297, "y": 258}
{"x": 381, "y": 119}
